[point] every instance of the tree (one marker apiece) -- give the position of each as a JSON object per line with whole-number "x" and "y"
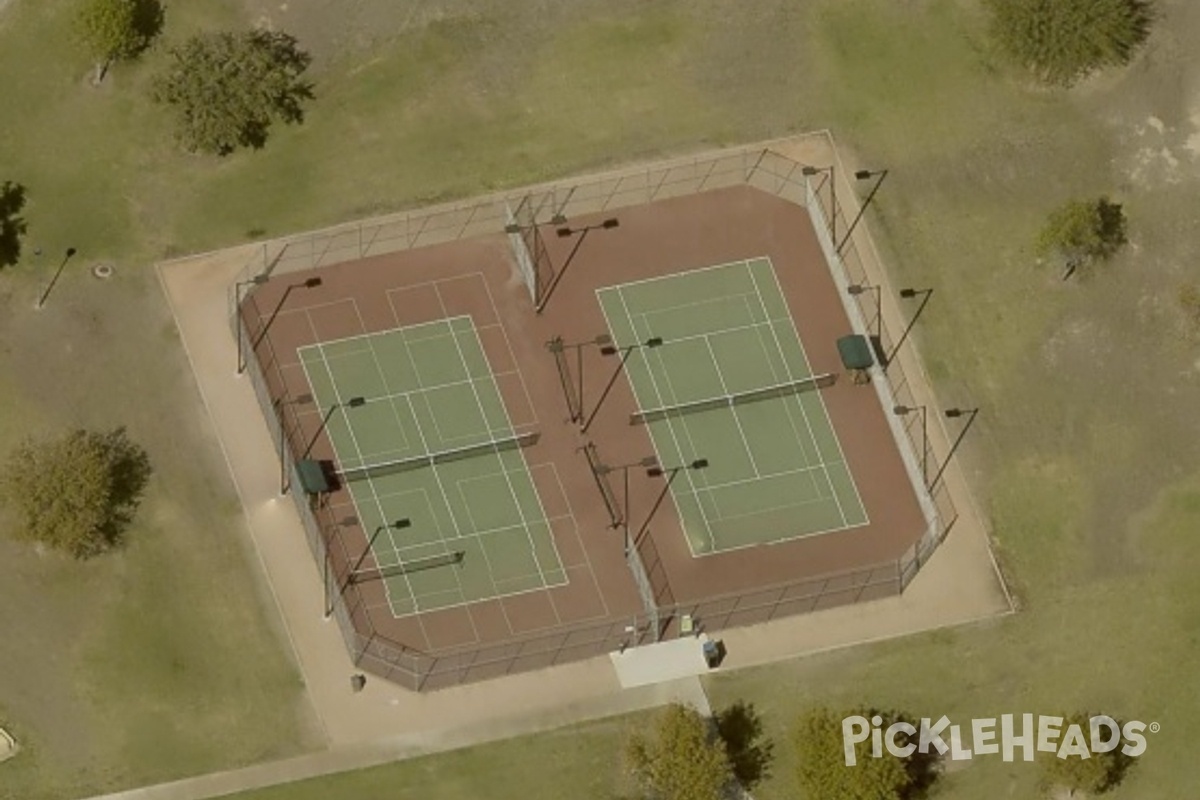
{"x": 1061, "y": 41}
{"x": 12, "y": 224}
{"x": 115, "y": 30}
{"x": 1097, "y": 773}
{"x": 76, "y": 493}
{"x": 226, "y": 89}
{"x": 823, "y": 771}
{"x": 681, "y": 760}
{"x": 1082, "y": 232}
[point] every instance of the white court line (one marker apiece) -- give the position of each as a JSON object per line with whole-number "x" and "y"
{"x": 507, "y": 478}
{"x": 674, "y": 275}
{"x": 733, "y": 409}
{"x": 401, "y": 330}
{"x": 788, "y": 369}
{"x": 784, "y": 540}
{"x": 357, "y": 449}
{"x": 674, "y": 438}
{"x": 511, "y": 354}
{"x": 446, "y": 500}
{"x": 824, "y": 411}
{"x": 781, "y": 473}
{"x": 400, "y": 427}
{"x": 587, "y": 561}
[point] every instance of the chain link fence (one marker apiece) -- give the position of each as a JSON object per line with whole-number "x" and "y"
{"x": 756, "y": 166}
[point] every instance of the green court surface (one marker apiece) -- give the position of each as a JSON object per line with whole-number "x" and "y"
{"x": 776, "y": 469}
{"x": 478, "y": 530}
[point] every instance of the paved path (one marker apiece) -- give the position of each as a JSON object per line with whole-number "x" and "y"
{"x": 960, "y": 584}
{"x": 369, "y": 754}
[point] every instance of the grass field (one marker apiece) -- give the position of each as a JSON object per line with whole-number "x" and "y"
{"x": 163, "y": 661}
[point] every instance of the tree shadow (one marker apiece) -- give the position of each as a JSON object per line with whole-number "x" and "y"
{"x": 129, "y": 472}
{"x": 12, "y": 224}
{"x": 1117, "y": 763}
{"x": 750, "y": 752}
{"x": 149, "y": 17}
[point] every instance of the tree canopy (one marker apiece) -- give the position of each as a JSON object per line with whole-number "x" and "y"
{"x": 1083, "y": 231}
{"x": 822, "y": 768}
{"x": 76, "y": 493}
{"x": 12, "y": 224}
{"x": 681, "y": 759}
{"x": 1097, "y": 773}
{"x": 1061, "y": 41}
{"x": 227, "y": 89}
{"x": 115, "y": 30}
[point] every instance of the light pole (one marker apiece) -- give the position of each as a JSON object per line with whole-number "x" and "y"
{"x": 857, "y": 289}
{"x": 811, "y": 171}
{"x": 353, "y": 402}
{"x": 399, "y": 524}
{"x": 311, "y": 283}
{"x": 908, "y": 294}
{"x": 955, "y": 413}
{"x": 609, "y": 350}
{"x": 57, "y": 273}
{"x": 604, "y": 469}
{"x": 671, "y": 473}
{"x": 280, "y": 404}
{"x": 257, "y": 280}
{"x": 905, "y": 410}
{"x": 862, "y": 175}
{"x": 563, "y": 233}
{"x": 557, "y": 346}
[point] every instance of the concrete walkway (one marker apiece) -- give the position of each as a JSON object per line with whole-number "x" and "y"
{"x": 960, "y": 584}
{"x": 417, "y": 743}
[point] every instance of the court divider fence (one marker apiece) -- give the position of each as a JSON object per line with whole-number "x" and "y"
{"x": 754, "y": 165}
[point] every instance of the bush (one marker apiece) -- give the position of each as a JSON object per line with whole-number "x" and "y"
{"x": 681, "y": 759}
{"x": 76, "y": 493}
{"x": 823, "y": 773}
{"x": 1099, "y": 772}
{"x": 1082, "y": 232}
{"x": 1061, "y": 41}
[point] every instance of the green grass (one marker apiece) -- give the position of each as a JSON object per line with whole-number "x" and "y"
{"x": 583, "y": 758}
{"x": 1082, "y": 455}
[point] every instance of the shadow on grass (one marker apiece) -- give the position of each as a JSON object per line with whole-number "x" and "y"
{"x": 750, "y": 753}
{"x": 12, "y": 224}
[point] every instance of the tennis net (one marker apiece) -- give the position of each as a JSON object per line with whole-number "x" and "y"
{"x": 430, "y": 459}
{"x": 767, "y": 393}
{"x": 406, "y": 567}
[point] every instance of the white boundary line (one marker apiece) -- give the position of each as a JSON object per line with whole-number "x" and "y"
{"x": 824, "y": 411}
{"x": 821, "y": 465}
{"x": 507, "y": 478}
{"x": 788, "y": 371}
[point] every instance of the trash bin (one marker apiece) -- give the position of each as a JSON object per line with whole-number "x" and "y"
{"x": 714, "y": 651}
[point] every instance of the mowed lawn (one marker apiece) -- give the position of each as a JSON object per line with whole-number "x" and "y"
{"x": 164, "y": 660}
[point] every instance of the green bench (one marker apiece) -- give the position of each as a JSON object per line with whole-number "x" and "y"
{"x": 312, "y": 476}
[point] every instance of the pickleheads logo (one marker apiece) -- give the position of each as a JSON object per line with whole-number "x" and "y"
{"x": 984, "y": 737}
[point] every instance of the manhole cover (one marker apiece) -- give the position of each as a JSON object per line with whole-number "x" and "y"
{"x": 102, "y": 271}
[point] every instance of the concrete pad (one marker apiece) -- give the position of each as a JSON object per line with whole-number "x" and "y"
{"x": 660, "y": 662}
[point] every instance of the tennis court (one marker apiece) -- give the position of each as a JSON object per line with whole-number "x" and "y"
{"x": 730, "y": 383}
{"x": 421, "y": 436}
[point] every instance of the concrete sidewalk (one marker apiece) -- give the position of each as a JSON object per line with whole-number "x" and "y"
{"x": 395, "y": 748}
